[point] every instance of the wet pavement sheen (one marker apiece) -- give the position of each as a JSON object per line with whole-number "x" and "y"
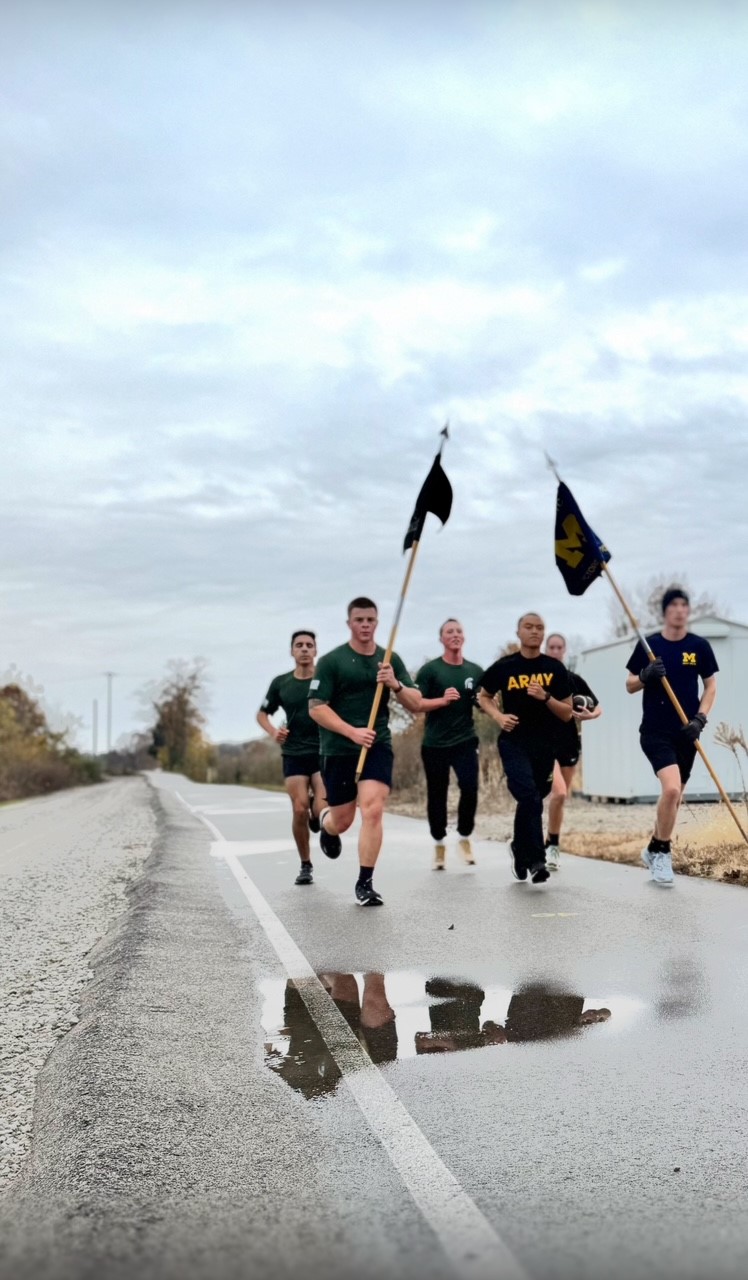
{"x": 575, "y": 1053}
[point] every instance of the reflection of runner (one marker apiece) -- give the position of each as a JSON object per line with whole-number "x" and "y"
{"x": 455, "y": 1019}
{"x": 568, "y": 750}
{"x": 541, "y": 1012}
{"x": 299, "y": 743}
{"x": 448, "y": 685}
{"x": 536, "y": 1012}
{"x": 308, "y": 1065}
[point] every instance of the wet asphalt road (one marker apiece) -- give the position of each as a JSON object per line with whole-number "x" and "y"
{"x": 196, "y": 1123}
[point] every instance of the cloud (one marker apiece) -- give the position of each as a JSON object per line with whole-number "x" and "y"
{"x": 251, "y": 263}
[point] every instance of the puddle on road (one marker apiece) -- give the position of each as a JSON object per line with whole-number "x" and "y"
{"x": 406, "y": 1014}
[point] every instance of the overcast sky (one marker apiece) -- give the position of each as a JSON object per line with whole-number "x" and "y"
{"x": 254, "y": 255}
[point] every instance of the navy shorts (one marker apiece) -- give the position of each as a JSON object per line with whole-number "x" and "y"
{"x": 300, "y": 766}
{"x": 663, "y": 749}
{"x": 339, "y": 773}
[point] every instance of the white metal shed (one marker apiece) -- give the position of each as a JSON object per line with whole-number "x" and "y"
{"x": 614, "y": 767}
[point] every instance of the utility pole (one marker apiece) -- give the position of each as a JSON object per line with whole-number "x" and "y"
{"x": 109, "y": 678}
{"x": 96, "y": 726}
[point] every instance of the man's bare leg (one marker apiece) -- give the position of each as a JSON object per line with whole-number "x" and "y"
{"x": 298, "y": 791}
{"x": 319, "y": 799}
{"x": 338, "y": 818}
{"x": 372, "y": 798}
{"x": 669, "y": 801}
{"x": 563, "y": 776}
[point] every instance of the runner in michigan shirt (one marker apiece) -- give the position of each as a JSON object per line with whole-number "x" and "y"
{"x": 347, "y": 682}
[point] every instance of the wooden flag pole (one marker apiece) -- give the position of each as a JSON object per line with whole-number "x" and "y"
{"x": 388, "y": 655}
{"x": 671, "y": 695}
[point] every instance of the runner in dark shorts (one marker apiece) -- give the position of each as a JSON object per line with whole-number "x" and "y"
{"x": 340, "y": 700}
{"x": 299, "y": 744}
{"x": 585, "y": 706}
{"x": 669, "y": 745}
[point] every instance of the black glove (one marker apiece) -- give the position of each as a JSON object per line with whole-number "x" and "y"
{"x": 695, "y": 727}
{"x": 652, "y": 672}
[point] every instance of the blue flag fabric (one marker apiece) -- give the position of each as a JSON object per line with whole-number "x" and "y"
{"x": 435, "y": 496}
{"x": 579, "y": 552}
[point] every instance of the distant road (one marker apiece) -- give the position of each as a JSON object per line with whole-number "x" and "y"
{"x": 479, "y": 1079}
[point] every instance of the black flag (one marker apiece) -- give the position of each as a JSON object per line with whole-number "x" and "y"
{"x": 579, "y": 552}
{"x": 435, "y": 496}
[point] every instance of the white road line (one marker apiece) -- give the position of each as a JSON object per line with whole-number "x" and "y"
{"x": 248, "y": 848}
{"x": 471, "y": 1244}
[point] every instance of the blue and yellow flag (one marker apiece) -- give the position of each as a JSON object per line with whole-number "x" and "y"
{"x": 580, "y": 554}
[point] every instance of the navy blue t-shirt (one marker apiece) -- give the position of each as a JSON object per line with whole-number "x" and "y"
{"x": 685, "y": 660}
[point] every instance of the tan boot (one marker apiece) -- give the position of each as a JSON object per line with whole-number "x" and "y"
{"x": 466, "y": 849}
{"x": 440, "y": 856}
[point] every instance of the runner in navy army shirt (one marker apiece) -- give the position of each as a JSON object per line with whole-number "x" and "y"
{"x": 535, "y": 697}
{"x": 669, "y": 745}
{"x": 448, "y": 686}
{"x": 299, "y": 744}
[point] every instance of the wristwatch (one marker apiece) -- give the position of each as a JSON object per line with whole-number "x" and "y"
{"x": 548, "y": 696}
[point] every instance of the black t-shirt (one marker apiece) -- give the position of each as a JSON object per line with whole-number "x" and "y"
{"x": 570, "y": 735}
{"x": 509, "y": 677}
{"x": 685, "y": 660}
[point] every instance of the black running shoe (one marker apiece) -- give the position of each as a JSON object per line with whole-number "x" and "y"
{"x": 331, "y": 846}
{"x": 518, "y": 871}
{"x": 539, "y": 873}
{"x": 313, "y": 824}
{"x": 367, "y": 896}
{"x": 305, "y": 874}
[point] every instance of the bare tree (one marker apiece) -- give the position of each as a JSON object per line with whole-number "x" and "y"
{"x": 645, "y": 601}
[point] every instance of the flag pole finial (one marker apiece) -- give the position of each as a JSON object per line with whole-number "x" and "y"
{"x": 552, "y": 465}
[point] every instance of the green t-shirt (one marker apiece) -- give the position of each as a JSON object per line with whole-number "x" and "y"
{"x": 347, "y": 682}
{"x": 448, "y": 726}
{"x": 292, "y": 694}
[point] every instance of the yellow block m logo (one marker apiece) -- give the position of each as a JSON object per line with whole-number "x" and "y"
{"x": 689, "y": 659}
{"x": 569, "y": 548}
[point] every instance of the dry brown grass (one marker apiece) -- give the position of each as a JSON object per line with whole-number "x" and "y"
{"x": 707, "y": 841}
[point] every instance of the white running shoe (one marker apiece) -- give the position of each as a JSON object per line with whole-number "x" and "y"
{"x": 662, "y": 869}
{"x": 553, "y": 857}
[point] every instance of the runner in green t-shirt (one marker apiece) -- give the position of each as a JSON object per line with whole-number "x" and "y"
{"x": 448, "y": 686}
{"x": 340, "y": 700}
{"x": 299, "y": 744}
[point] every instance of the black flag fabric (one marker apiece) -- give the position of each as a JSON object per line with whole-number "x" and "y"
{"x": 579, "y": 552}
{"x": 435, "y": 496}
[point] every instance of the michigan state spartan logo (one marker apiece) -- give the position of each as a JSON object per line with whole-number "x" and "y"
{"x": 689, "y": 659}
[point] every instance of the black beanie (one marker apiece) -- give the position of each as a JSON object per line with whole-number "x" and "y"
{"x": 674, "y": 593}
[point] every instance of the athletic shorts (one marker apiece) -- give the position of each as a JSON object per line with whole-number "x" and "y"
{"x": 662, "y": 749}
{"x": 339, "y": 773}
{"x": 566, "y": 757}
{"x": 300, "y": 766}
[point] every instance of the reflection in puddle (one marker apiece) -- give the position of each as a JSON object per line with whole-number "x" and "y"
{"x": 403, "y": 1015}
